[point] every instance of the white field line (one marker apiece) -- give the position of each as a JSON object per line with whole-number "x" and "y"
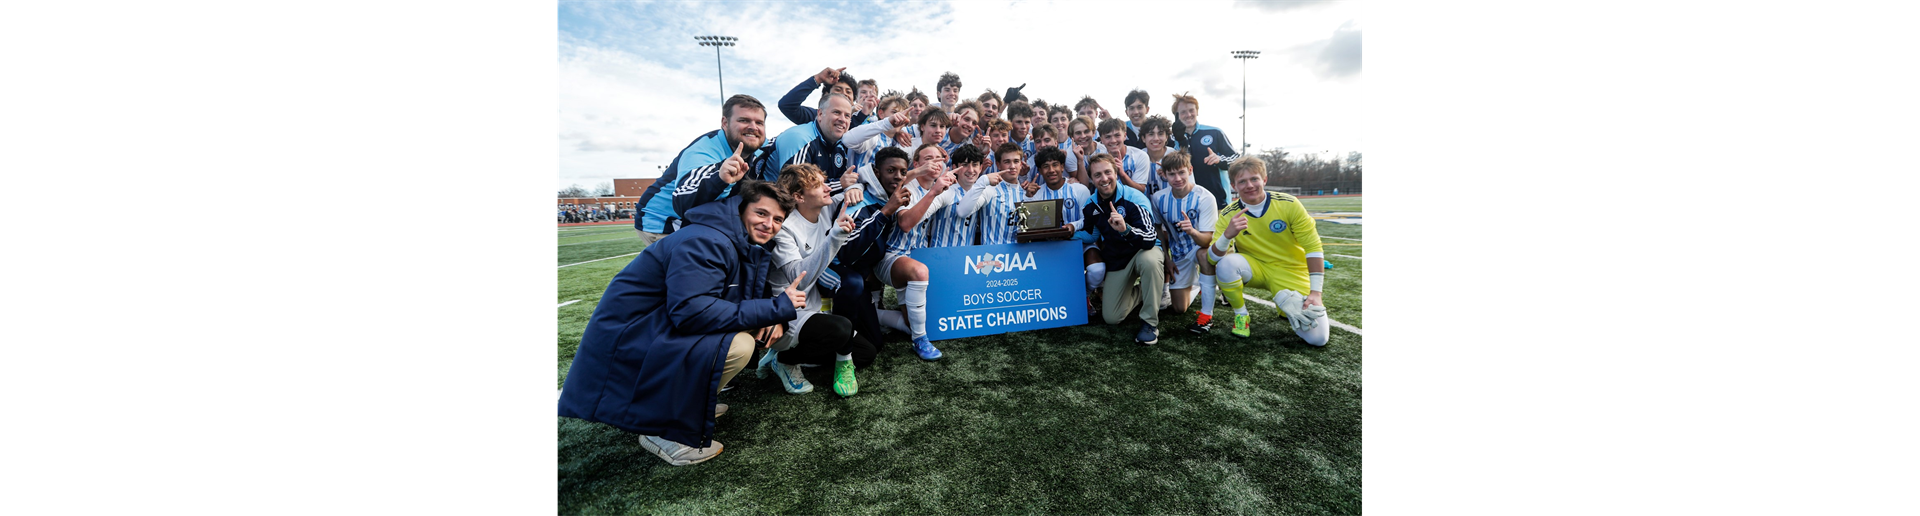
{"x": 598, "y": 241}
{"x": 1338, "y": 238}
{"x": 599, "y": 260}
{"x": 1344, "y": 256}
{"x": 568, "y": 303}
{"x": 1336, "y": 324}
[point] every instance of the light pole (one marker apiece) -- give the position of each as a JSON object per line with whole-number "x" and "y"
{"x": 1243, "y": 56}
{"x": 727, "y": 41}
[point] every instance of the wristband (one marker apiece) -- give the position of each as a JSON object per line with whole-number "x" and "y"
{"x": 1315, "y": 280}
{"x": 1223, "y": 245}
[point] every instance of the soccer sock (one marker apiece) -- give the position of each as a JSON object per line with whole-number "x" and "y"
{"x": 893, "y": 319}
{"x": 1235, "y": 298}
{"x": 1096, "y": 274}
{"x": 843, "y": 357}
{"x": 1206, "y": 294}
{"x": 915, "y": 297}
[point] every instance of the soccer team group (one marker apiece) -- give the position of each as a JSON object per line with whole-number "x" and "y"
{"x": 785, "y": 244}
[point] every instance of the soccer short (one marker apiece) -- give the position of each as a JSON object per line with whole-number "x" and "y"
{"x": 1188, "y": 269}
{"x": 884, "y": 271}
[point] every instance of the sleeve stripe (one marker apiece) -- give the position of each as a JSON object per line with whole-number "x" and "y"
{"x": 691, "y": 183}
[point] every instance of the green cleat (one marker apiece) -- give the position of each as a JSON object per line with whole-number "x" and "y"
{"x": 1241, "y": 326}
{"x": 843, "y": 381}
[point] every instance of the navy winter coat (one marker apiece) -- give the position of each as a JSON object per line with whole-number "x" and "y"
{"x": 651, "y": 358}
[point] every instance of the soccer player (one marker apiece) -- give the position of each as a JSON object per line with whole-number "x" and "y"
{"x": 837, "y": 81}
{"x": 1155, "y": 132}
{"x": 1270, "y": 243}
{"x": 1207, "y": 144}
{"x": 1135, "y": 169}
{"x": 997, "y": 133}
{"x": 743, "y": 128}
{"x": 1059, "y": 115}
{"x": 948, "y": 88}
{"x": 1020, "y": 114}
{"x": 858, "y": 294}
{"x": 932, "y": 127}
{"x": 990, "y": 104}
{"x": 808, "y": 241}
{"x": 1187, "y": 216}
{"x": 1083, "y": 146}
{"x": 1137, "y": 118}
{"x": 1121, "y": 225}
{"x": 954, "y": 224}
{"x": 863, "y": 141}
{"x": 1089, "y": 108}
{"x": 926, "y": 196}
{"x": 678, "y": 323}
{"x": 1045, "y": 136}
{"x": 998, "y": 224}
{"x": 866, "y": 102}
{"x": 966, "y": 127}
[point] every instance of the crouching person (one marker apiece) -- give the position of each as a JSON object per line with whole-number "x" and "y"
{"x": 1121, "y": 226}
{"x": 807, "y": 243}
{"x": 679, "y": 322}
{"x": 1270, "y": 243}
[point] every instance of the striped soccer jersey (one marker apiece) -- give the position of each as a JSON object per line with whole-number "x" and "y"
{"x": 1197, "y": 207}
{"x": 996, "y": 219}
{"x": 954, "y": 224}
{"x": 1282, "y": 238}
{"x": 903, "y": 242}
{"x": 1071, "y": 195}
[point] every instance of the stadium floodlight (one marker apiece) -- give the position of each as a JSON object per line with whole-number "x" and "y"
{"x": 716, "y": 42}
{"x": 1243, "y": 56}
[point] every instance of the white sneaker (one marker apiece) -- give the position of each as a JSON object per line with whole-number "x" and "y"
{"x": 679, "y": 454}
{"x": 791, "y": 379}
{"x": 719, "y": 409}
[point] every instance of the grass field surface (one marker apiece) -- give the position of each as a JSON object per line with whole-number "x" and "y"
{"x": 1066, "y": 420}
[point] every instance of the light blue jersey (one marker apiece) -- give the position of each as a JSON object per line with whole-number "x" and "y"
{"x": 1197, "y": 208}
{"x": 904, "y": 242}
{"x": 1073, "y": 195}
{"x": 1137, "y": 166}
{"x": 953, "y": 225}
{"x": 996, "y": 219}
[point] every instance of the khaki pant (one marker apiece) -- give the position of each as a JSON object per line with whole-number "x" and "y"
{"x": 1118, "y": 295}
{"x": 650, "y": 238}
{"x": 737, "y": 355}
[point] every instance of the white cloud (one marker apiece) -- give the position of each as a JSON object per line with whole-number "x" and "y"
{"x": 650, "y": 89}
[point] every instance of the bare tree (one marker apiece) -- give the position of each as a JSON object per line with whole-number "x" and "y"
{"x": 604, "y": 190}
{"x": 573, "y": 190}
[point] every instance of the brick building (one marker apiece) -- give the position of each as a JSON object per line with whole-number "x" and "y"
{"x": 626, "y": 193}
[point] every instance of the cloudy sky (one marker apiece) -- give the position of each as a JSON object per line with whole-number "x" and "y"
{"x": 635, "y": 87}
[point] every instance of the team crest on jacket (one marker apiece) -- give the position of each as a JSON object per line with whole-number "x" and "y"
{"x": 839, "y": 161}
{"x": 1277, "y": 226}
{"x": 1206, "y": 140}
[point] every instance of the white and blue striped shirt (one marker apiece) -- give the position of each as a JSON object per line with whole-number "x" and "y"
{"x": 903, "y": 242}
{"x": 1071, "y": 194}
{"x": 1197, "y": 207}
{"x": 953, "y": 225}
{"x": 996, "y": 220}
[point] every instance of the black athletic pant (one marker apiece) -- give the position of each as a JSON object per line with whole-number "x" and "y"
{"x": 854, "y": 301}
{"x": 823, "y": 337}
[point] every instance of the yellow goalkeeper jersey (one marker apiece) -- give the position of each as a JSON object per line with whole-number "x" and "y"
{"x": 1279, "y": 239}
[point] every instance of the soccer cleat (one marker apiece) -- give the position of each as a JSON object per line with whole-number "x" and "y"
{"x": 766, "y": 360}
{"x": 844, "y": 383}
{"x": 925, "y": 348}
{"x": 1148, "y": 335}
{"x": 1202, "y": 326}
{"x": 679, "y": 454}
{"x": 791, "y": 379}
{"x": 1242, "y": 326}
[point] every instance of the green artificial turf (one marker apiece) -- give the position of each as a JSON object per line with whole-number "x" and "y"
{"x": 1067, "y": 420}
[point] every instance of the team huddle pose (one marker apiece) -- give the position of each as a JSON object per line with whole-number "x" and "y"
{"x": 787, "y": 244}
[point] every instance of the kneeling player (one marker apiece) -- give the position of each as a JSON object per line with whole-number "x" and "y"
{"x": 803, "y": 248}
{"x": 1187, "y": 214}
{"x": 1270, "y": 243}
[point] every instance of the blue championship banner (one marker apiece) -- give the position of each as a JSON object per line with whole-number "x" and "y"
{"x": 993, "y": 289}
